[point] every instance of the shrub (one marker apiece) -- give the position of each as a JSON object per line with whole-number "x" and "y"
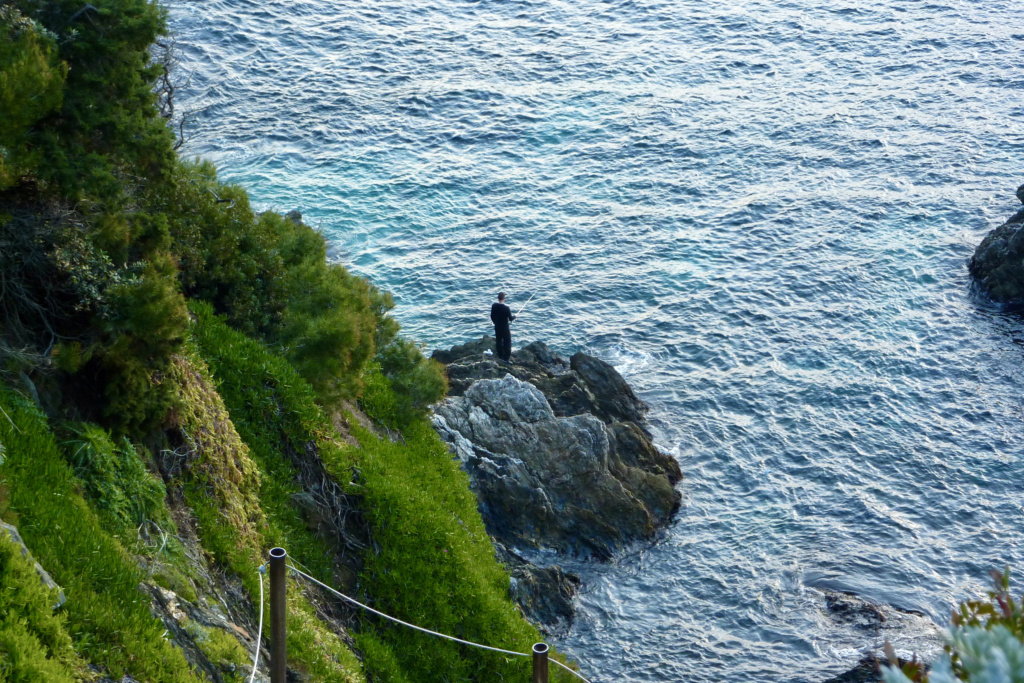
{"x": 31, "y": 82}
{"x": 108, "y": 129}
{"x": 104, "y": 149}
{"x": 121, "y": 490}
{"x": 270, "y": 278}
{"x": 985, "y": 643}
{"x": 416, "y": 381}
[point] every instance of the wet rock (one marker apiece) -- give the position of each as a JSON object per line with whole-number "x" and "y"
{"x": 12, "y": 533}
{"x": 854, "y": 611}
{"x": 615, "y": 400}
{"x": 866, "y": 626}
{"x": 545, "y": 594}
{"x": 998, "y": 262}
{"x": 557, "y": 452}
{"x": 867, "y": 671}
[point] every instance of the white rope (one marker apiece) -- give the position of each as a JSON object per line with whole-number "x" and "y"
{"x": 572, "y": 671}
{"x": 427, "y": 630}
{"x": 403, "y": 623}
{"x": 259, "y": 635}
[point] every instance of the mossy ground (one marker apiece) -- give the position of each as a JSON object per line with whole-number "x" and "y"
{"x": 108, "y": 619}
{"x": 34, "y": 642}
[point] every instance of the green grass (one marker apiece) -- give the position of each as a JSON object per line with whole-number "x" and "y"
{"x": 34, "y": 644}
{"x": 240, "y": 492}
{"x": 108, "y": 618}
{"x": 123, "y": 493}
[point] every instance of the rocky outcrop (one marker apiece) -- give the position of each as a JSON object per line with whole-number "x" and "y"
{"x": 998, "y": 262}
{"x": 560, "y": 458}
{"x": 558, "y": 453}
{"x": 868, "y": 670}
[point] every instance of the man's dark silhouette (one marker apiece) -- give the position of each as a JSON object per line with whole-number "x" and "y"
{"x": 501, "y": 315}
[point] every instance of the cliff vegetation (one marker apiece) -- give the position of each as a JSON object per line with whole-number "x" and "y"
{"x": 186, "y": 383}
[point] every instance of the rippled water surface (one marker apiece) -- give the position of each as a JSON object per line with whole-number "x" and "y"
{"x": 761, "y": 211}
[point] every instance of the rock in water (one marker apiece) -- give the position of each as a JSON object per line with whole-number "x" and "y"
{"x": 998, "y": 262}
{"x": 544, "y": 593}
{"x": 558, "y": 454}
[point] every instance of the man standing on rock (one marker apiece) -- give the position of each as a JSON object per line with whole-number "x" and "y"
{"x": 501, "y": 316}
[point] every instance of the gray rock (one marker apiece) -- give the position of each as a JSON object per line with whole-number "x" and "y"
{"x": 44, "y": 576}
{"x": 854, "y": 611}
{"x": 913, "y": 635}
{"x": 559, "y": 457}
{"x": 998, "y": 262}
{"x": 548, "y": 481}
{"x": 615, "y": 399}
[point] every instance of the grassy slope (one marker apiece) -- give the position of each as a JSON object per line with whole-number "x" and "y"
{"x": 34, "y": 643}
{"x": 433, "y": 562}
{"x": 224, "y": 488}
{"x": 107, "y": 617}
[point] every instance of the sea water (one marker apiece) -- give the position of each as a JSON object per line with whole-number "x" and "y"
{"x": 761, "y": 212}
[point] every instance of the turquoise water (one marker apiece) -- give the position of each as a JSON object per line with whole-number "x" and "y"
{"x": 760, "y": 211}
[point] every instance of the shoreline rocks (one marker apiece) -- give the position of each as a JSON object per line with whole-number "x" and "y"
{"x": 998, "y": 263}
{"x": 911, "y": 634}
{"x": 560, "y": 458}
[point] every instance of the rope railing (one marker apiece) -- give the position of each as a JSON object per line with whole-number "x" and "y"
{"x": 259, "y": 634}
{"x": 355, "y": 602}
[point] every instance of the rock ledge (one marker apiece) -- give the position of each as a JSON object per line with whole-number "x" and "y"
{"x": 998, "y": 262}
{"x": 559, "y": 456}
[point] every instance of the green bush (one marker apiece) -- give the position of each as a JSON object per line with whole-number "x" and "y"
{"x": 109, "y": 620}
{"x": 124, "y": 494}
{"x": 31, "y": 82}
{"x": 416, "y": 382}
{"x": 87, "y": 132}
{"x": 270, "y": 278}
{"x": 109, "y": 135}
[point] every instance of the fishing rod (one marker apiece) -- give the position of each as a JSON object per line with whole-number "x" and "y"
{"x": 524, "y": 305}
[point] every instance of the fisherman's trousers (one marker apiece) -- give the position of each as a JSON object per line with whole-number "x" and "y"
{"x": 503, "y": 343}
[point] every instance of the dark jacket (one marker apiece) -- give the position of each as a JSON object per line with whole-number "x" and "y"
{"x": 500, "y": 316}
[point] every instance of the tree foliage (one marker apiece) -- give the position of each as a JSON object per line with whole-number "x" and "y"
{"x": 31, "y": 86}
